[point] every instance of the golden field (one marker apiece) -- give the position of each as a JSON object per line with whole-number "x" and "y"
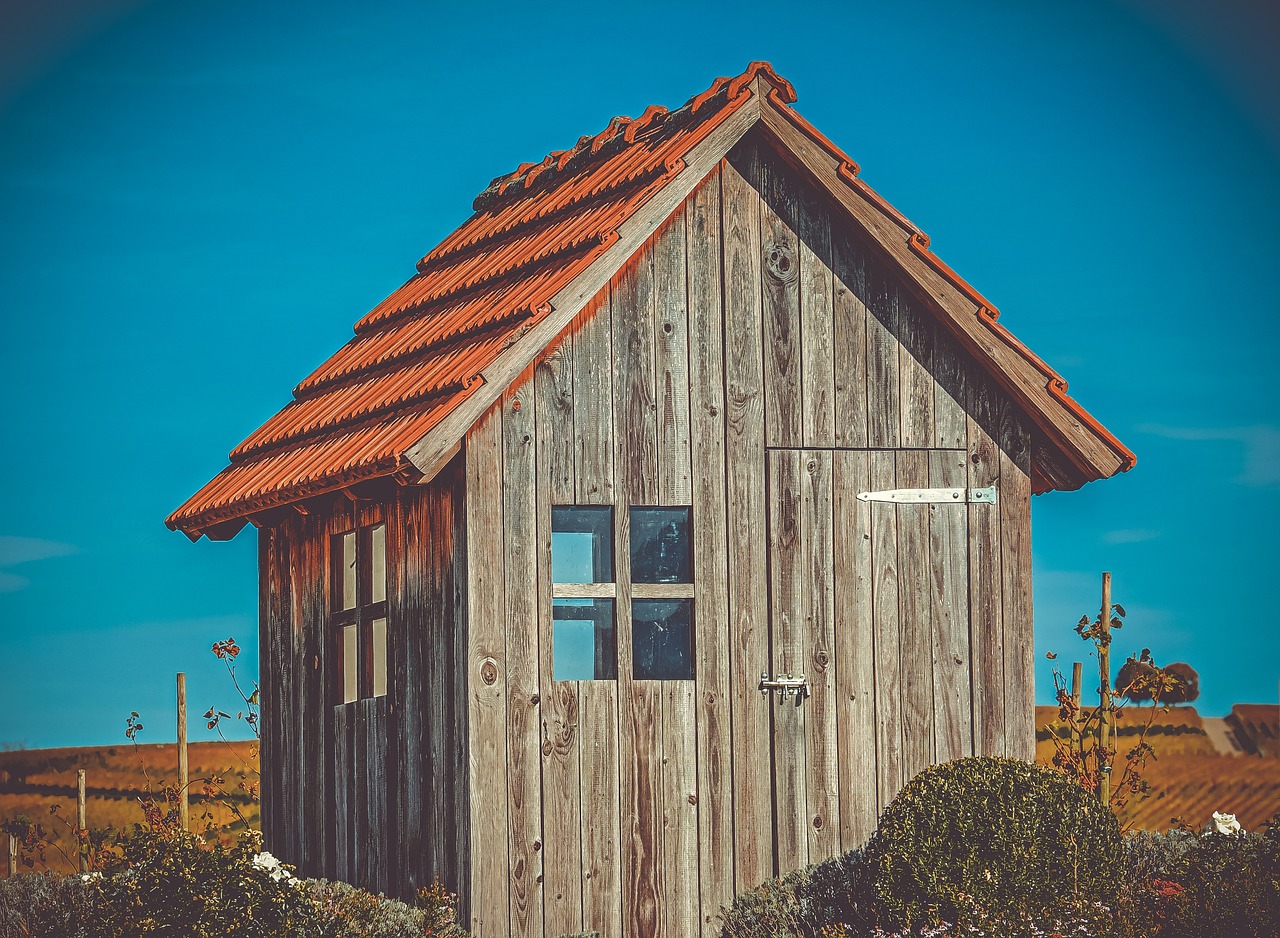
{"x": 116, "y": 778}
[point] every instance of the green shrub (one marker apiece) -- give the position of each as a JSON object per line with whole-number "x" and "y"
{"x": 801, "y": 903}
{"x": 171, "y": 883}
{"x": 48, "y": 904}
{"x": 996, "y": 838}
{"x": 1185, "y": 885}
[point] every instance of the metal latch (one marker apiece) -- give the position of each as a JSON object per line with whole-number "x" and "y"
{"x": 785, "y": 684}
{"x": 985, "y": 496}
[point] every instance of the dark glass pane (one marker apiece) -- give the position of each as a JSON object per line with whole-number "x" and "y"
{"x": 660, "y": 545}
{"x": 583, "y": 643}
{"x": 582, "y": 545}
{"x": 662, "y": 640}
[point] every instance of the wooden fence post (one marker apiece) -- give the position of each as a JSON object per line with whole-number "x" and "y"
{"x": 184, "y": 802}
{"x": 1077, "y": 741}
{"x": 1104, "y": 691}
{"x": 13, "y": 856}
{"x": 81, "y": 827}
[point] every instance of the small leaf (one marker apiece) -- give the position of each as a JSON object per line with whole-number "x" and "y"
{"x": 1119, "y": 610}
{"x": 1050, "y": 655}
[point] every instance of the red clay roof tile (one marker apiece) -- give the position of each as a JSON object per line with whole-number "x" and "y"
{"x": 419, "y": 353}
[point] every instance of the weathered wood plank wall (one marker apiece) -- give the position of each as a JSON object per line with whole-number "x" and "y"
{"x": 368, "y": 792}
{"x": 761, "y": 363}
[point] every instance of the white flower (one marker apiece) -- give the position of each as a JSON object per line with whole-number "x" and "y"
{"x": 271, "y": 866}
{"x": 1225, "y": 824}
{"x": 90, "y": 877}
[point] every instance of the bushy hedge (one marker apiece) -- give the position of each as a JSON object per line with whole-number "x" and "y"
{"x": 994, "y": 848}
{"x": 985, "y": 835}
{"x": 1185, "y": 885}
{"x": 170, "y": 883}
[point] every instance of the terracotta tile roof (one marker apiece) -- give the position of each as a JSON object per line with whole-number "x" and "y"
{"x": 421, "y": 351}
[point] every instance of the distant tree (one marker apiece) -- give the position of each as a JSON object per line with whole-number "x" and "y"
{"x": 1186, "y": 686}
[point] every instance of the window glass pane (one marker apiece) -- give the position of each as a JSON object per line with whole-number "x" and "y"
{"x": 583, "y": 644}
{"x": 378, "y": 563}
{"x": 350, "y": 665}
{"x": 660, "y": 545}
{"x": 379, "y": 657}
{"x": 662, "y": 640}
{"x": 582, "y": 545}
{"x": 348, "y": 570}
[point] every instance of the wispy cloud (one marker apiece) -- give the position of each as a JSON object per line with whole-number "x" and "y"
{"x": 15, "y": 550}
{"x": 1261, "y": 447}
{"x": 1130, "y": 536}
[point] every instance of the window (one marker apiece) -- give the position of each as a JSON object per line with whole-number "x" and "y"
{"x": 358, "y": 600}
{"x": 585, "y": 579}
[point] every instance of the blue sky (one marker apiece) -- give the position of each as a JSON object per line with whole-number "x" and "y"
{"x": 198, "y": 200}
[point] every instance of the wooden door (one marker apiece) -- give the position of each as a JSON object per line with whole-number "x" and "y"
{"x": 869, "y": 601}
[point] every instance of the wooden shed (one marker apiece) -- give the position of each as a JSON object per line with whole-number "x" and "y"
{"x": 649, "y": 537}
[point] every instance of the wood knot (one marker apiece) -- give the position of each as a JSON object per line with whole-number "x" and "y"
{"x": 780, "y": 261}
{"x": 693, "y": 798}
{"x": 817, "y": 822}
{"x": 534, "y": 699}
{"x": 537, "y": 845}
{"x": 820, "y": 659}
{"x": 489, "y": 671}
{"x": 546, "y": 747}
{"x": 666, "y": 328}
{"x": 515, "y": 404}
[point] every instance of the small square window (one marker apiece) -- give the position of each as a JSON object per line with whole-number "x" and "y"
{"x": 582, "y": 545}
{"x": 662, "y": 640}
{"x": 660, "y": 545}
{"x": 584, "y": 646}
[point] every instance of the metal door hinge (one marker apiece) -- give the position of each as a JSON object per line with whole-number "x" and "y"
{"x": 785, "y": 684}
{"x": 984, "y": 496}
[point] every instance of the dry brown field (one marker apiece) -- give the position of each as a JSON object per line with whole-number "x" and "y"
{"x": 32, "y": 781}
{"x": 1189, "y": 779}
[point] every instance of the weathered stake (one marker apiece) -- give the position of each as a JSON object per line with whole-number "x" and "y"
{"x": 81, "y": 827}
{"x": 184, "y": 802}
{"x": 1104, "y": 691}
{"x": 12, "y": 863}
{"x": 1077, "y": 677}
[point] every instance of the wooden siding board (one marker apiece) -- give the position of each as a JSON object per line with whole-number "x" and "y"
{"x": 817, "y": 321}
{"x": 780, "y": 296}
{"x": 849, "y": 340}
{"x": 671, "y": 357}
{"x": 593, "y": 406}
{"x": 710, "y": 553}
{"x": 948, "y": 548}
{"x": 746, "y": 518}
{"x": 679, "y": 808}
{"x": 553, "y": 383}
{"x": 404, "y": 641}
{"x": 883, "y": 394}
{"x": 487, "y": 679}
{"x": 524, "y": 745}
{"x": 635, "y": 432}
{"x": 600, "y": 807}
{"x": 344, "y": 796}
{"x": 822, "y": 820}
{"x": 1015, "y": 539}
{"x": 949, "y": 397}
{"x": 916, "y": 384}
{"x": 986, "y": 622}
{"x": 854, "y": 649}
{"x": 561, "y": 780}
{"x": 644, "y": 895}
{"x": 888, "y": 651}
{"x": 375, "y": 793}
{"x": 915, "y": 618}
{"x": 788, "y": 608}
